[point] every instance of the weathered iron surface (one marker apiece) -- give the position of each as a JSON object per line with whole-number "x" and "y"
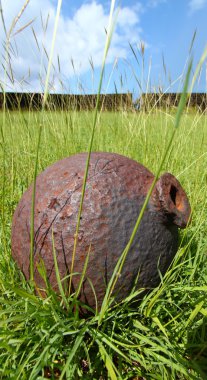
{"x": 115, "y": 192}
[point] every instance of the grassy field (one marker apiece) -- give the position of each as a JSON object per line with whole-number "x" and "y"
{"x": 165, "y": 337}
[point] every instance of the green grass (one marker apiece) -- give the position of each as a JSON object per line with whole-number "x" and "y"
{"x": 165, "y": 337}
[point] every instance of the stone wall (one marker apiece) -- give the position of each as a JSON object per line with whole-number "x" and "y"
{"x": 170, "y": 100}
{"x": 25, "y": 101}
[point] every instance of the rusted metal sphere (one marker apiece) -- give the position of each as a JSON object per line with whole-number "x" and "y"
{"x": 115, "y": 191}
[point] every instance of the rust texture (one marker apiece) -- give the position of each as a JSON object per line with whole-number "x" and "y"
{"x": 115, "y": 192}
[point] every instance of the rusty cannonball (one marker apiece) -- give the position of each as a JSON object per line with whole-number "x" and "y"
{"x": 115, "y": 191}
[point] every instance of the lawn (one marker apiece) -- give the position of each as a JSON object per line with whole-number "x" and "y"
{"x": 165, "y": 336}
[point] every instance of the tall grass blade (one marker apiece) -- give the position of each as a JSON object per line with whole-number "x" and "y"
{"x": 192, "y": 41}
{"x": 194, "y": 314}
{"x": 107, "y": 45}
{"x": 73, "y": 352}
{"x": 198, "y": 68}
{"x": 23, "y": 27}
{"x": 57, "y": 273}
{"x": 32, "y": 218}
{"x": 108, "y": 362}
{"x": 2, "y": 18}
{"x": 120, "y": 263}
{"x": 38, "y": 144}
{"x": 83, "y": 274}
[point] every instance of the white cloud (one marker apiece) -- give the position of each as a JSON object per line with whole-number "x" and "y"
{"x": 196, "y": 5}
{"x": 79, "y": 38}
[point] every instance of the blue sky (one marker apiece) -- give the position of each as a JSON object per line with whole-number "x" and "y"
{"x": 164, "y": 27}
